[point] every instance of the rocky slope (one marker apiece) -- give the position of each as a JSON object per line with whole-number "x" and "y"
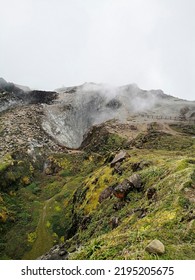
{"x": 128, "y": 187}
{"x": 79, "y": 108}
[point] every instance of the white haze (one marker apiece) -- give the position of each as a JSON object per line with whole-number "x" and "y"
{"x": 79, "y": 108}
{"x": 46, "y": 44}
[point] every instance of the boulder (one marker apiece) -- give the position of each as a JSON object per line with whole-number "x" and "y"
{"x": 106, "y": 193}
{"x": 118, "y": 158}
{"x": 155, "y": 247}
{"x": 135, "y": 166}
{"x": 135, "y": 181}
{"x": 123, "y": 189}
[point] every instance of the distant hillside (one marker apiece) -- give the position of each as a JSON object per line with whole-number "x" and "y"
{"x": 12, "y": 95}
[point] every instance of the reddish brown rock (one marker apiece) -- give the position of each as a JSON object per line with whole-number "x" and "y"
{"x": 122, "y": 190}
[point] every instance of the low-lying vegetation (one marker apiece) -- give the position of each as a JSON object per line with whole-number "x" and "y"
{"x": 60, "y": 203}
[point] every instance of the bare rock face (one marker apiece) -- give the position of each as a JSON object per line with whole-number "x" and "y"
{"x": 68, "y": 120}
{"x": 79, "y": 108}
{"x": 21, "y": 130}
{"x": 155, "y": 247}
{"x": 69, "y": 113}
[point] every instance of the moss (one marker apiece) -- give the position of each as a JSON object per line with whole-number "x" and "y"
{"x": 170, "y": 175}
{"x": 26, "y": 180}
{"x": 15, "y": 173}
{"x": 5, "y": 163}
{"x": 64, "y": 207}
{"x": 162, "y": 141}
{"x": 3, "y": 216}
{"x": 100, "y": 140}
{"x": 32, "y": 237}
{"x": 95, "y": 185}
{"x": 48, "y": 224}
{"x": 52, "y": 188}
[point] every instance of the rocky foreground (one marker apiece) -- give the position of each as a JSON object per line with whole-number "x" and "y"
{"x": 96, "y": 173}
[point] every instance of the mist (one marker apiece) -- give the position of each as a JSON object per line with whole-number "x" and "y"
{"x": 48, "y": 44}
{"x": 77, "y": 109}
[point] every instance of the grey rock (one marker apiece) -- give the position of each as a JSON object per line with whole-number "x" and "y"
{"x": 155, "y": 247}
{"x": 118, "y": 158}
{"x": 135, "y": 180}
{"x": 118, "y": 169}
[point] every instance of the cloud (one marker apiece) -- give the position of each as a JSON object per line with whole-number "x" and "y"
{"x": 45, "y": 44}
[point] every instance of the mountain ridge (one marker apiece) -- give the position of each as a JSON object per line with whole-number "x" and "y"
{"x": 96, "y": 174}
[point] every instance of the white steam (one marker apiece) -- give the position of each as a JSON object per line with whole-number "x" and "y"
{"x": 81, "y": 107}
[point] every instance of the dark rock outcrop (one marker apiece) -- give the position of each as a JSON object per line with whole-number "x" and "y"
{"x": 58, "y": 252}
{"x": 40, "y": 96}
{"x": 12, "y": 96}
{"x": 132, "y": 183}
{"x": 114, "y": 104}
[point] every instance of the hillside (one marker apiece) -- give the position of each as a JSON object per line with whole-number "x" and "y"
{"x": 94, "y": 172}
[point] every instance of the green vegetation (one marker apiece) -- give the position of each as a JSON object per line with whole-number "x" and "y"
{"x": 38, "y": 210}
{"x": 142, "y": 220}
{"x": 188, "y": 129}
{"x": 162, "y": 141}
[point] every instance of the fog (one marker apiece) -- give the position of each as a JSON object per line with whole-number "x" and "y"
{"x": 77, "y": 109}
{"x": 50, "y": 44}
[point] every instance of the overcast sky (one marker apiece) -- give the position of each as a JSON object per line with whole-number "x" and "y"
{"x": 47, "y": 44}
